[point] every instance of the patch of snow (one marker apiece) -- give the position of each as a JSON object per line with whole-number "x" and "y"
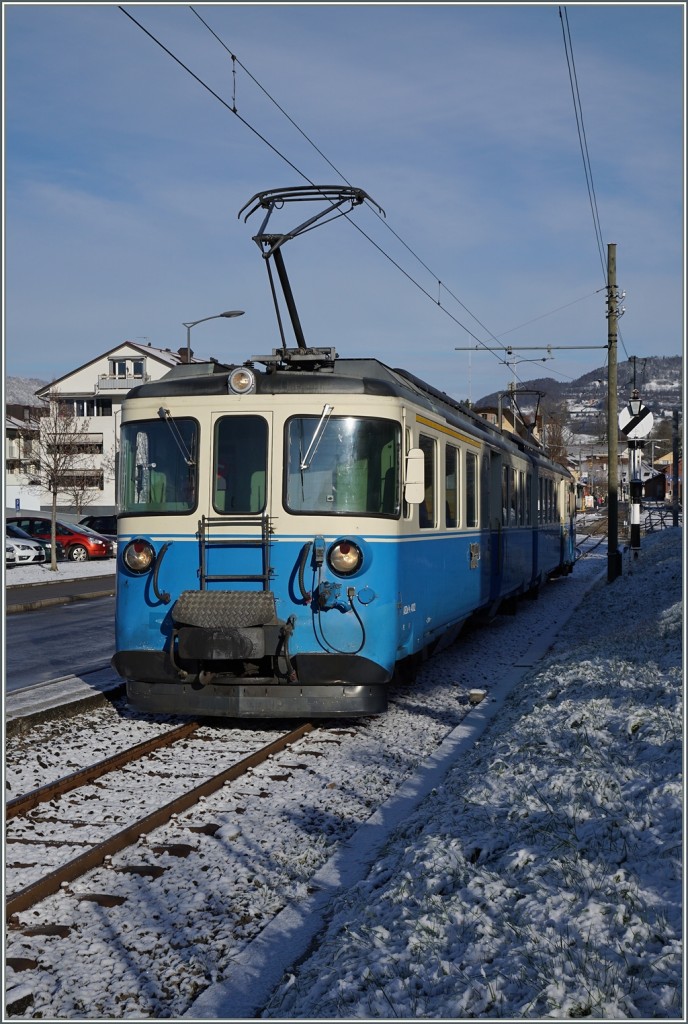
{"x": 23, "y": 575}
{"x": 542, "y": 876}
{"x": 530, "y": 866}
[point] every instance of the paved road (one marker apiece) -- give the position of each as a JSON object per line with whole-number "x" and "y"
{"x": 42, "y": 595}
{"x": 71, "y": 639}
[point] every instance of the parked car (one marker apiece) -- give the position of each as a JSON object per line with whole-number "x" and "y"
{"x": 15, "y": 532}
{"x": 26, "y": 551}
{"x": 10, "y": 556}
{"x": 79, "y": 542}
{"x": 106, "y": 526}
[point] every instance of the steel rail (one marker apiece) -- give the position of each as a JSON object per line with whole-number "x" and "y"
{"x": 82, "y": 777}
{"x": 51, "y": 883}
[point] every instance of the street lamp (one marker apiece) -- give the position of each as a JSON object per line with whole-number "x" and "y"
{"x": 635, "y": 403}
{"x": 229, "y": 313}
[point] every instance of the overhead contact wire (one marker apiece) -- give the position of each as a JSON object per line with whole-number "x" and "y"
{"x": 233, "y": 109}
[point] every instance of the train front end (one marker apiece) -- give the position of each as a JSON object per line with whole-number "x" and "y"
{"x": 257, "y": 563}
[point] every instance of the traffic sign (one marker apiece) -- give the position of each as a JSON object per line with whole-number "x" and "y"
{"x": 635, "y": 425}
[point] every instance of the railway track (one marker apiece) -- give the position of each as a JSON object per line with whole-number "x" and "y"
{"x": 98, "y": 852}
{"x": 143, "y": 933}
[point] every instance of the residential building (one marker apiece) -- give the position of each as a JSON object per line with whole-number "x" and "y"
{"x": 21, "y": 466}
{"x": 665, "y": 465}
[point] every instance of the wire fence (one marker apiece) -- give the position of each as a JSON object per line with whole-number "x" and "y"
{"x": 658, "y": 515}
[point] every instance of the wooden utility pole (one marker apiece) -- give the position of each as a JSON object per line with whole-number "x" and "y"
{"x": 614, "y": 567}
{"x": 674, "y": 468}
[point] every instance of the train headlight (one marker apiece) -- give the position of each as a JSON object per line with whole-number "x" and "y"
{"x": 242, "y": 380}
{"x": 138, "y": 556}
{"x": 345, "y": 557}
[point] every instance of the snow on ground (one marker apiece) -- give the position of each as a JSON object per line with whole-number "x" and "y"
{"x": 22, "y": 575}
{"x": 542, "y": 878}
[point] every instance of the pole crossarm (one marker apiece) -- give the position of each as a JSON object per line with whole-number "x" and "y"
{"x": 508, "y": 349}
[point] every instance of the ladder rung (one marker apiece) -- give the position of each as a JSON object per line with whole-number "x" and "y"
{"x": 243, "y": 543}
{"x": 237, "y": 579}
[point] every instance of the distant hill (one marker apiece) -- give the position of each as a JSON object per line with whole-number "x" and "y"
{"x": 659, "y": 380}
{"x": 22, "y": 390}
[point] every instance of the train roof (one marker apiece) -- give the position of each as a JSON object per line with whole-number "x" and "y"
{"x": 332, "y": 375}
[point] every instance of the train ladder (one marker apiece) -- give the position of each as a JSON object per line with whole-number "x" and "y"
{"x": 210, "y": 524}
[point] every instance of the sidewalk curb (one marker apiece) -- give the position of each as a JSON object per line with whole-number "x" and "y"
{"x": 47, "y": 602}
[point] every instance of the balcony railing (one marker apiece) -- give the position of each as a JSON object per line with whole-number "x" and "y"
{"x": 107, "y": 382}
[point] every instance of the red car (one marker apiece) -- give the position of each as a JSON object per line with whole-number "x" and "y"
{"x": 79, "y": 542}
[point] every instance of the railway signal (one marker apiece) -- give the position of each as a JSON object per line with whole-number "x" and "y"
{"x": 635, "y": 422}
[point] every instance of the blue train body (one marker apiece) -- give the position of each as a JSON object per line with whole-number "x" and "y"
{"x": 290, "y": 538}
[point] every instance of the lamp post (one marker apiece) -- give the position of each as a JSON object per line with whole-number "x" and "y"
{"x": 216, "y": 316}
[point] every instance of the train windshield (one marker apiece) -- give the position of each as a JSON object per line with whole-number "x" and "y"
{"x": 343, "y": 464}
{"x": 158, "y": 467}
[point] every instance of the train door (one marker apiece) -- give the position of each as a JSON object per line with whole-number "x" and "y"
{"x": 235, "y": 534}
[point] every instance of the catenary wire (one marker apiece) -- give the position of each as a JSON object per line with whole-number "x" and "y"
{"x": 233, "y": 110}
{"x": 583, "y": 142}
{"x": 582, "y": 139}
{"x": 344, "y": 178}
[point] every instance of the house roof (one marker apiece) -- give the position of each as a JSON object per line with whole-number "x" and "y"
{"x": 166, "y": 356}
{"x": 14, "y": 423}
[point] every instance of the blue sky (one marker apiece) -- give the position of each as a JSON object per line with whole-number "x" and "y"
{"x": 124, "y": 178}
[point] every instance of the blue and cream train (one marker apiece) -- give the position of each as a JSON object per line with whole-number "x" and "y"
{"x": 297, "y": 530}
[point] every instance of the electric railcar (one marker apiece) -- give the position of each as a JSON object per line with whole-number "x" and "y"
{"x": 291, "y": 536}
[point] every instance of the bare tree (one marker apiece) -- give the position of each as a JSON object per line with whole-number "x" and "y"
{"x": 558, "y": 435}
{"x": 82, "y": 486}
{"x": 62, "y": 452}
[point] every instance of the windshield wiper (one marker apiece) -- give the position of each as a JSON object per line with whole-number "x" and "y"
{"x": 317, "y": 437}
{"x": 166, "y": 415}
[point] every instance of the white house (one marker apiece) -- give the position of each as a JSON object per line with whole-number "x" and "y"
{"x": 94, "y": 392}
{"x": 21, "y": 468}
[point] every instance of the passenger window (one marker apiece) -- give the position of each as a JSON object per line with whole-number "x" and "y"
{"x": 513, "y": 506}
{"x": 427, "y": 508}
{"x": 471, "y": 489}
{"x": 452, "y": 472}
{"x": 539, "y": 499}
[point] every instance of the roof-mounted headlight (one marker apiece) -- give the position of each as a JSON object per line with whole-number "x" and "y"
{"x": 241, "y": 381}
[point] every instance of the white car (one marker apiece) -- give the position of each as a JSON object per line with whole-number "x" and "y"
{"x": 10, "y": 557}
{"x": 25, "y": 551}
